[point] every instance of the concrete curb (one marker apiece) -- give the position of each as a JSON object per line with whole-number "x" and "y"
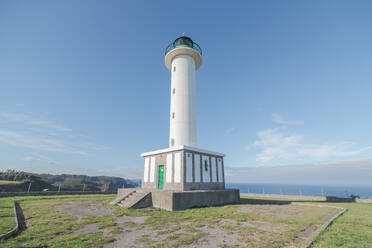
{"x": 18, "y": 216}
{"x": 315, "y": 234}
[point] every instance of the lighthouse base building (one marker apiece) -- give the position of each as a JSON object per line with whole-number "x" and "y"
{"x": 183, "y": 175}
{"x": 179, "y": 178}
{"x": 183, "y": 168}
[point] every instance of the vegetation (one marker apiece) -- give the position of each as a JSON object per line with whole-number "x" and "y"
{"x": 353, "y": 229}
{"x": 253, "y": 223}
{"x": 47, "y": 227}
{"x": 23, "y": 180}
{"x": 13, "y": 175}
{"x": 94, "y": 183}
{"x": 67, "y": 182}
{"x": 9, "y": 182}
{"x": 6, "y": 215}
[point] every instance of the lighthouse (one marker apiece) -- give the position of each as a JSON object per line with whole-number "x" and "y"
{"x": 183, "y": 58}
{"x": 183, "y": 165}
{"x": 183, "y": 175}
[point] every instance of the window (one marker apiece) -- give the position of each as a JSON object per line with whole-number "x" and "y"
{"x": 174, "y": 68}
{"x": 205, "y": 165}
{"x": 174, "y": 90}
{"x": 173, "y": 115}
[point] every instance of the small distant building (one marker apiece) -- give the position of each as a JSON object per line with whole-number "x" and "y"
{"x": 182, "y": 175}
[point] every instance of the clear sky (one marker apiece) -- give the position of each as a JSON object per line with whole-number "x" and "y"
{"x": 84, "y": 88}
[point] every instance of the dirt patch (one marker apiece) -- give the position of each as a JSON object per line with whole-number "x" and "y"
{"x": 273, "y": 210}
{"x": 90, "y": 228}
{"x": 226, "y": 233}
{"x": 227, "y": 222}
{"x": 79, "y": 209}
{"x": 304, "y": 234}
{"x": 246, "y": 209}
{"x": 329, "y": 216}
{"x": 266, "y": 226}
{"x": 218, "y": 238}
{"x": 145, "y": 236}
{"x": 137, "y": 220}
{"x": 131, "y": 231}
{"x": 130, "y": 238}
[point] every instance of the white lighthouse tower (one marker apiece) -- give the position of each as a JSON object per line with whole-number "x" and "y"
{"x": 181, "y": 176}
{"x": 183, "y": 58}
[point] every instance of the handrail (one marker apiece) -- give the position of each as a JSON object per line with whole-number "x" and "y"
{"x": 194, "y": 46}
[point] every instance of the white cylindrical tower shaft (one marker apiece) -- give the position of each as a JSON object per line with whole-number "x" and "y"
{"x": 183, "y": 102}
{"x": 183, "y": 58}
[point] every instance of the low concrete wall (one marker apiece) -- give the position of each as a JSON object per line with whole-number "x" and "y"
{"x": 340, "y": 199}
{"x": 162, "y": 199}
{"x": 172, "y": 200}
{"x": 305, "y": 197}
{"x": 286, "y": 197}
{"x": 185, "y": 200}
{"x": 9, "y": 194}
{"x": 364, "y": 200}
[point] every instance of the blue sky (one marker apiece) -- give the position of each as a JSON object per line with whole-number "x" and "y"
{"x": 84, "y": 88}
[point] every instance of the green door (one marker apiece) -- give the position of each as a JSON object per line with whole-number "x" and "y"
{"x": 160, "y": 176}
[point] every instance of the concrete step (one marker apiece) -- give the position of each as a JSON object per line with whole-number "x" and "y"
{"x": 122, "y": 197}
{"x": 136, "y": 199}
{"x": 128, "y": 201}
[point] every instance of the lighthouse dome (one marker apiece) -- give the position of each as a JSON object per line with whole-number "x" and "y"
{"x": 183, "y": 41}
{"x": 183, "y": 45}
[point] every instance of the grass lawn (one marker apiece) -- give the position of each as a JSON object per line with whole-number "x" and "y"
{"x": 46, "y": 227}
{"x": 9, "y": 182}
{"x": 253, "y": 223}
{"x": 6, "y": 215}
{"x": 352, "y": 229}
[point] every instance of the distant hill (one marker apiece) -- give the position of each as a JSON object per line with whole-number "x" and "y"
{"x": 67, "y": 182}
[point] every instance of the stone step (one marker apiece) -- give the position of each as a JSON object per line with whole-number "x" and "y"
{"x": 122, "y": 197}
{"x": 133, "y": 198}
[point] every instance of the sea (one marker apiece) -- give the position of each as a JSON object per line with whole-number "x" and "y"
{"x": 291, "y": 189}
